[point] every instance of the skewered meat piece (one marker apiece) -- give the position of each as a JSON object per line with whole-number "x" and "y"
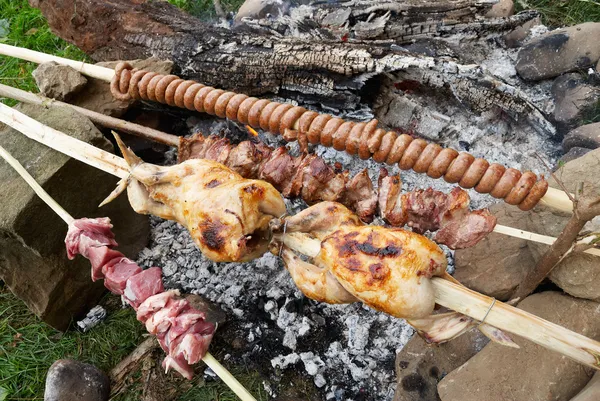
{"x": 386, "y": 268}
{"x": 309, "y": 177}
{"x": 227, "y": 215}
{"x": 182, "y": 330}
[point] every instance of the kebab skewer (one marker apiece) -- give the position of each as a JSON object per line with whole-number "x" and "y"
{"x": 389, "y": 260}
{"x": 182, "y": 331}
{"x": 297, "y": 123}
{"x": 310, "y": 178}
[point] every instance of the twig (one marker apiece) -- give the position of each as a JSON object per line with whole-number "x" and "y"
{"x": 586, "y": 208}
{"x": 219, "y": 369}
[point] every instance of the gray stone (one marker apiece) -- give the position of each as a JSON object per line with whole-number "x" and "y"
{"x": 573, "y": 97}
{"x": 586, "y": 136}
{"x": 518, "y": 35}
{"x": 497, "y": 264}
{"x": 420, "y": 366}
{"x": 58, "y": 81}
{"x": 70, "y": 380}
{"x": 214, "y": 313}
{"x": 502, "y": 9}
{"x": 573, "y": 153}
{"x": 33, "y": 261}
{"x": 591, "y": 392}
{"x": 96, "y": 95}
{"x": 498, "y": 373}
{"x": 259, "y": 9}
{"x": 560, "y": 51}
{"x": 578, "y": 274}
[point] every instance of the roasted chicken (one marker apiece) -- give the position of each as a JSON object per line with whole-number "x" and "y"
{"x": 227, "y": 215}
{"x": 386, "y": 268}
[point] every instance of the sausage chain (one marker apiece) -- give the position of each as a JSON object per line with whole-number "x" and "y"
{"x": 364, "y": 139}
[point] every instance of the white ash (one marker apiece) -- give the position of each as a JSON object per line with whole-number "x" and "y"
{"x": 95, "y": 316}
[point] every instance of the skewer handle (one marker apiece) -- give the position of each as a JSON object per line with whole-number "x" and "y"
{"x": 228, "y": 378}
{"x": 98, "y": 118}
{"x": 66, "y": 144}
{"x": 94, "y": 71}
{"x": 517, "y": 321}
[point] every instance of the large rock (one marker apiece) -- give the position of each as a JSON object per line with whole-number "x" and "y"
{"x": 421, "y": 366}
{"x": 58, "y": 82}
{"x": 591, "y": 392}
{"x": 586, "y": 136}
{"x": 70, "y": 380}
{"x": 560, "y": 51}
{"x": 497, "y": 264}
{"x": 33, "y": 261}
{"x": 96, "y": 95}
{"x": 573, "y": 153}
{"x": 573, "y": 98}
{"x": 531, "y": 373}
{"x": 259, "y": 9}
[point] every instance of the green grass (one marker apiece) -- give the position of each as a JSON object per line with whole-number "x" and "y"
{"x": 557, "y": 13}
{"x": 28, "y": 346}
{"x": 205, "y": 8}
{"x": 28, "y": 28}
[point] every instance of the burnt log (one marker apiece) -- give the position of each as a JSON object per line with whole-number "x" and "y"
{"x": 336, "y": 74}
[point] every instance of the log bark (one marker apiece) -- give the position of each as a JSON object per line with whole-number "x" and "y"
{"x": 336, "y": 74}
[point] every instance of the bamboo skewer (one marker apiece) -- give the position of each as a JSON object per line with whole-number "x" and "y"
{"x": 210, "y": 360}
{"x": 86, "y": 152}
{"x": 448, "y": 294}
{"x": 495, "y": 313}
{"x": 553, "y": 198}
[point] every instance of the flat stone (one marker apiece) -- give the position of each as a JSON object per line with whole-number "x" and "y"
{"x": 519, "y": 34}
{"x": 591, "y": 392}
{"x": 420, "y": 366}
{"x": 96, "y": 95}
{"x": 58, "y": 82}
{"x": 498, "y": 373}
{"x": 560, "y": 51}
{"x": 70, "y": 380}
{"x": 502, "y": 9}
{"x": 34, "y": 263}
{"x": 586, "y": 136}
{"x": 498, "y": 263}
{"x": 573, "y": 153}
{"x": 573, "y": 97}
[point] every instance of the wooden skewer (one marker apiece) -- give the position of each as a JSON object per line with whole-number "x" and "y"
{"x": 554, "y": 198}
{"x": 98, "y": 118}
{"x": 96, "y": 157}
{"x": 448, "y": 294}
{"x": 495, "y": 313}
{"x": 210, "y": 360}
